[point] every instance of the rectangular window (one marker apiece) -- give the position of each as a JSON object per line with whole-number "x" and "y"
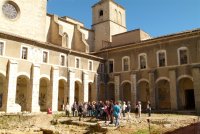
{"x": 45, "y": 56}
{"x": 161, "y": 57}
{"x": 24, "y": 53}
{"x": 77, "y": 62}
{"x": 1, "y": 48}
{"x": 142, "y": 62}
{"x": 62, "y": 60}
{"x": 102, "y": 68}
{"x": 183, "y": 57}
{"x": 125, "y": 64}
{"x": 111, "y": 66}
{"x": 90, "y": 65}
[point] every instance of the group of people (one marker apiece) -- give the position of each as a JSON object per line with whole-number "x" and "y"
{"x": 108, "y": 111}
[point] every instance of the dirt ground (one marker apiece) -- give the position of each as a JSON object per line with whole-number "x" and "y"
{"x": 59, "y": 124}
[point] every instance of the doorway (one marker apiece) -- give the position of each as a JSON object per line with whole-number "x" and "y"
{"x": 189, "y": 99}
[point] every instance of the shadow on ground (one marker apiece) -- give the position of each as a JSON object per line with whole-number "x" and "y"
{"x": 191, "y": 129}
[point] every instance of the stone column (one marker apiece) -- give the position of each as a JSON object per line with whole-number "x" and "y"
{"x": 71, "y": 85}
{"x": 54, "y": 88}
{"x": 133, "y": 90}
{"x": 33, "y": 100}
{"x": 196, "y": 84}
{"x": 95, "y": 94}
{"x": 10, "y": 105}
{"x": 85, "y": 87}
{"x": 173, "y": 89}
{"x": 117, "y": 87}
{"x": 152, "y": 89}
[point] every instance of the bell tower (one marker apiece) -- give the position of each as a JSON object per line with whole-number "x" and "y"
{"x": 109, "y": 18}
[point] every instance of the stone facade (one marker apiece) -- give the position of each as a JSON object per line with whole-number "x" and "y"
{"x": 172, "y": 85}
{"x": 50, "y": 60}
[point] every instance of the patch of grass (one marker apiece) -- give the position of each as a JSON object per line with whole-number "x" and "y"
{"x": 142, "y": 131}
{"x": 96, "y": 129}
{"x": 57, "y": 116}
{"x": 146, "y": 131}
{"x": 7, "y": 120}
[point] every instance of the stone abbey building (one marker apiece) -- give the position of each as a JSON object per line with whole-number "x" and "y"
{"x": 47, "y": 61}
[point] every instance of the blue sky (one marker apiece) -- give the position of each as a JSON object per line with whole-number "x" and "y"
{"x": 156, "y": 17}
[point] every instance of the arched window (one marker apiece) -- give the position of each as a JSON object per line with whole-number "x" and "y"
{"x": 110, "y": 65}
{"x": 100, "y": 13}
{"x": 125, "y": 63}
{"x": 2, "y": 47}
{"x": 116, "y": 15}
{"x": 77, "y": 62}
{"x": 120, "y": 18}
{"x": 161, "y": 58}
{"x": 142, "y": 61}
{"x": 183, "y": 55}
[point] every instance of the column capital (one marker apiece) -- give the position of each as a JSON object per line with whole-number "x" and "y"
{"x": 55, "y": 67}
{"x": 13, "y": 62}
{"x": 36, "y": 65}
{"x": 71, "y": 70}
{"x": 134, "y": 72}
{"x": 133, "y": 75}
{"x": 172, "y": 69}
{"x": 152, "y": 71}
{"x": 196, "y": 66}
{"x": 85, "y": 72}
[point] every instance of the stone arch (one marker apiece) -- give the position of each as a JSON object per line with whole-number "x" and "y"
{"x": 22, "y": 91}
{"x": 125, "y": 81}
{"x": 186, "y": 98}
{"x": 44, "y": 94}
{"x": 184, "y": 76}
{"x": 102, "y": 91}
{"x": 47, "y": 77}
{"x": 162, "y": 78}
{"x": 100, "y": 12}
{"x": 142, "y": 80}
{"x": 126, "y": 91}
{"x": 78, "y": 80}
{"x": 62, "y": 97}
{"x": 23, "y": 74}
{"x": 3, "y": 73}
{"x": 2, "y": 89}
{"x": 163, "y": 94}
{"x": 78, "y": 94}
{"x": 111, "y": 91}
{"x": 63, "y": 78}
{"x": 143, "y": 92}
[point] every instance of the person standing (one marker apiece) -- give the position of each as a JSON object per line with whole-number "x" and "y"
{"x": 124, "y": 108}
{"x": 116, "y": 112}
{"x": 74, "y": 109}
{"x": 149, "y": 108}
{"x": 80, "y": 111}
{"x": 136, "y": 110}
{"x": 128, "y": 110}
{"x": 111, "y": 111}
{"x": 139, "y": 109}
{"x": 67, "y": 109}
